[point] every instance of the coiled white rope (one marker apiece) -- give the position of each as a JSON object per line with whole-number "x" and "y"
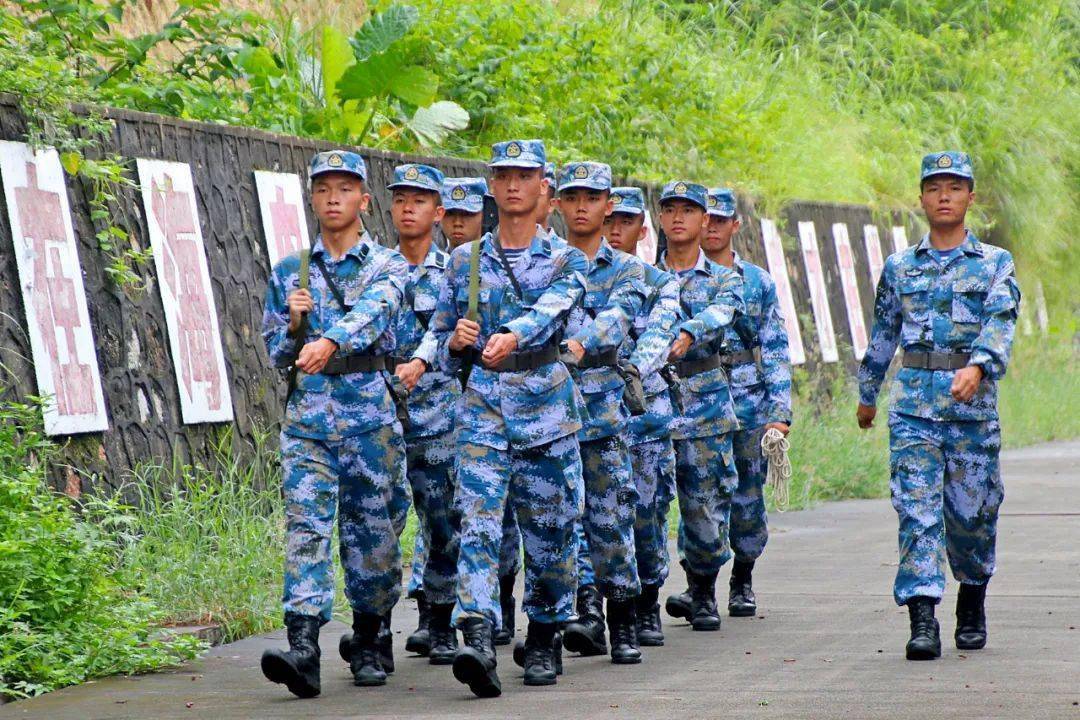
{"x": 774, "y": 446}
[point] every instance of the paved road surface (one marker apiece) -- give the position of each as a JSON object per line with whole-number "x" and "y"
{"x": 828, "y": 641}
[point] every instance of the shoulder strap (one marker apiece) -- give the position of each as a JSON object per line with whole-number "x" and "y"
{"x": 506, "y": 266}
{"x": 474, "y": 282}
{"x": 329, "y": 278}
{"x": 305, "y": 269}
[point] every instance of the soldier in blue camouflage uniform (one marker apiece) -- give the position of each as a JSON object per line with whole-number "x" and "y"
{"x": 597, "y": 329}
{"x": 518, "y": 418}
{"x": 755, "y": 354}
{"x": 652, "y": 453}
{"x": 951, "y": 304}
{"x": 341, "y": 443}
{"x": 710, "y": 296}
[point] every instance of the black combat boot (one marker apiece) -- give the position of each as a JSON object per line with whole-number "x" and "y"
{"x": 623, "y": 625}
{"x": 298, "y": 667}
{"x": 971, "y": 617}
{"x": 505, "y": 634}
{"x": 444, "y": 644}
{"x": 925, "y": 642}
{"x": 519, "y": 653}
{"x": 741, "y": 600}
{"x": 420, "y": 641}
{"x": 475, "y": 662}
{"x": 650, "y": 633}
{"x": 678, "y": 606}
{"x": 365, "y": 656}
{"x": 703, "y": 612}
{"x": 539, "y": 654}
{"x": 385, "y": 642}
{"x": 586, "y": 634}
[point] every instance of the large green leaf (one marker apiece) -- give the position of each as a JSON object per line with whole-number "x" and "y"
{"x": 383, "y": 30}
{"x": 415, "y": 85}
{"x": 388, "y": 74}
{"x": 336, "y": 58}
{"x": 433, "y": 124}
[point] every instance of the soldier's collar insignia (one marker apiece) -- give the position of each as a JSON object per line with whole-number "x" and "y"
{"x": 458, "y": 193}
{"x": 513, "y": 150}
{"x": 945, "y": 161}
{"x": 335, "y": 160}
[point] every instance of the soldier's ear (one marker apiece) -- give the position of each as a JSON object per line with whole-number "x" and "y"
{"x": 365, "y": 201}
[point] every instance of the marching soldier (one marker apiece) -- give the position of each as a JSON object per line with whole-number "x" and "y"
{"x": 342, "y": 449}
{"x": 463, "y": 201}
{"x": 652, "y": 453}
{"x": 502, "y": 311}
{"x": 951, "y": 303}
{"x": 710, "y": 297}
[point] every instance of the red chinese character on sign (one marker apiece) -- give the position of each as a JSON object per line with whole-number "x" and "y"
{"x": 284, "y": 218}
{"x": 41, "y": 219}
{"x": 183, "y": 277}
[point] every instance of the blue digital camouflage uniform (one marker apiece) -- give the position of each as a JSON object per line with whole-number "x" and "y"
{"x": 342, "y": 448}
{"x": 614, "y": 293}
{"x": 710, "y": 296}
{"x": 761, "y": 391}
{"x": 946, "y": 483}
{"x": 516, "y": 429}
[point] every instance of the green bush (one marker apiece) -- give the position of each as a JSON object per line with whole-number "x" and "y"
{"x": 65, "y": 614}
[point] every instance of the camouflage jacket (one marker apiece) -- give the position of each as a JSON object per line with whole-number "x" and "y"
{"x": 710, "y": 296}
{"x": 519, "y": 409}
{"x": 614, "y": 292}
{"x": 653, "y": 330}
{"x": 371, "y": 277}
{"x": 970, "y": 304}
{"x": 762, "y": 393}
{"x": 431, "y": 402}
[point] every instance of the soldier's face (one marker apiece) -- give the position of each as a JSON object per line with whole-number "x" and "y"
{"x": 683, "y": 221}
{"x": 338, "y": 199}
{"x": 718, "y": 233}
{"x": 584, "y": 210}
{"x": 414, "y": 212}
{"x": 945, "y": 199}
{"x": 624, "y": 231}
{"x": 517, "y": 190}
{"x": 461, "y": 227}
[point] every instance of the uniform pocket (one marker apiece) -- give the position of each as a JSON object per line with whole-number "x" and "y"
{"x": 708, "y": 381}
{"x": 914, "y": 292}
{"x": 968, "y": 298}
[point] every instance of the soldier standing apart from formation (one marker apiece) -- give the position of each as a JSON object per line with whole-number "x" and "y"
{"x": 518, "y": 420}
{"x": 951, "y": 304}
{"x": 710, "y": 297}
{"x": 652, "y": 453}
{"x": 755, "y": 355}
{"x": 342, "y": 449}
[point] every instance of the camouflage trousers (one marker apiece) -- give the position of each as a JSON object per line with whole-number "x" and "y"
{"x": 749, "y": 520}
{"x": 654, "y": 475}
{"x": 541, "y": 484}
{"x": 706, "y": 479}
{"x": 946, "y": 487}
{"x": 356, "y": 480}
{"x": 431, "y": 478}
{"x": 608, "y": 520}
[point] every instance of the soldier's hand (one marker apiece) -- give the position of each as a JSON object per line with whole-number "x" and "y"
{"x": 865, "y": 414}
{"x": 465, "y": 334}
{"x": 576, "y": 349}
{"x": 314, "y": 355}
{"x": 499, "y": 347}
{"x": 784, "y": 428}
{"x": 299, "y": 302}
{"x": 681, "y": 346}
{"x": 410, "y": 373}
{"x": 966, "y": 382}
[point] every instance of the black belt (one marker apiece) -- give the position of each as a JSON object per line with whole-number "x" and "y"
{"x": 527, "y": 360}
{"x": 396, "y": 360}
{"x": 607, "y": 358}
{"x": 936, "y": 360}
{"x": 738, "y": 358}
{"x": 689, "y": 368}
{"x": 357, "y": 364}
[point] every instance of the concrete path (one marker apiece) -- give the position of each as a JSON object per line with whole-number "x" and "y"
{"x": 828, "y": 641}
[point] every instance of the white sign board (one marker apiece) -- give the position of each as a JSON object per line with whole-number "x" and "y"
{"x": 281, "y": 204}
{"x": 774, "y": 255}
{"x": 874, "y": 258}
{"x": 50, "y": 277}
{"x": 846, "y": 260}
{"x": 899, "y": 238}
{"x": 819, "y": 298}
{"x": 172, "y": 221}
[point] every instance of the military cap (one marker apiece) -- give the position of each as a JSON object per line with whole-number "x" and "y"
{"x": 464, "y": 193}
{"x": 628, "y": 200}
{"x": 588, "y": 175}
{"x": 549, "y": 173}
{"x": 419, "y": 177}
{"x": 518, "y": 153}
{"x": 722, "y": 202}
{"x": 683, "y": 190}
{"x": 337, "y": 161}
{"x": 948, "y": 162}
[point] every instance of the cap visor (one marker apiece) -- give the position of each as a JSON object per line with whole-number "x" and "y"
{"x": 627, "y": 211}
{"x": 464, "y": 207}
{"x": 328, "y": 170}
{"x": 585, "y": 184}
{"x": 516, "y": 162}
{"x": 948, "y": 171}
{"x": 412, "y": 185}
